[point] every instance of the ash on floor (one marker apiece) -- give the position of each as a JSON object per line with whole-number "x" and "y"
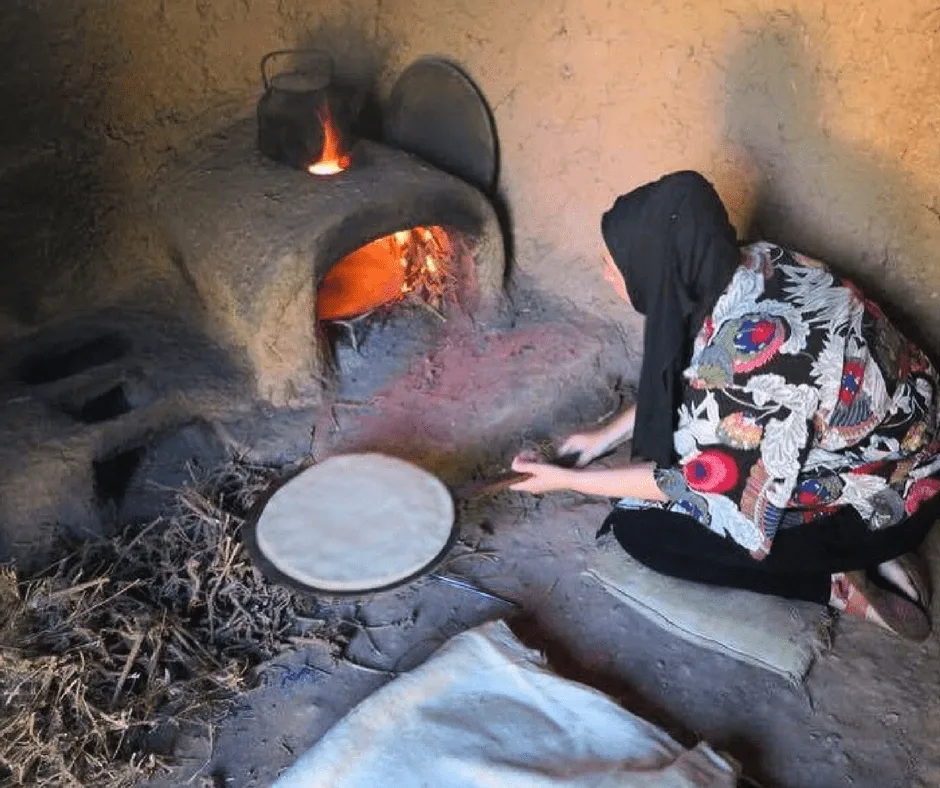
{"x": 867, "y": 716}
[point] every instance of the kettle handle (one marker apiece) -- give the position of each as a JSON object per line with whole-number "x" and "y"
{"x": 265, "y": 80}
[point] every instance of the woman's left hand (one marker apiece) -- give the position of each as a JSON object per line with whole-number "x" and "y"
{"x": 545, "y": 476}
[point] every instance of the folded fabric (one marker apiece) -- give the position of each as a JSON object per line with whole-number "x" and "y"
{"x": 485, "y": 711}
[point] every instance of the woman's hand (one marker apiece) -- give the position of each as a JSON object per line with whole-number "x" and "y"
{"x": 587, "y": 445}
{"x": 545, "y": 476}
{"x": 633, "y": 481}
{"x": 591, "y": 444}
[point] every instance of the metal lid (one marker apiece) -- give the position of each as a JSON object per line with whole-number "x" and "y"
{"x": 437, "y": 113}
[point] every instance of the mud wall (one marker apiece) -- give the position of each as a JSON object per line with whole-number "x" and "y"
{"x": 96, "y": 96}
{"x": 818, "y": 122}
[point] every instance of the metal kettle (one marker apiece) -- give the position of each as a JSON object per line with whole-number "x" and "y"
{"x": 290, "y": 130}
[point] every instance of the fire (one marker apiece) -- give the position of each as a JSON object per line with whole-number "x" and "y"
{"x": 332, "y": 158}
{"x": 410, "y": 263}
{"x": 424, "y": 253}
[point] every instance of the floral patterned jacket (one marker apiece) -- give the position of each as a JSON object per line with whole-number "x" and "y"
{"x": 801, "y": 397}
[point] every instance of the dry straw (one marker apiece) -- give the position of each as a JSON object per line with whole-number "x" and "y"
{"x": 160, "y": 625}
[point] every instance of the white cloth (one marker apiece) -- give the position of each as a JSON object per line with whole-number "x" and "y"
{"x": 485, "y": 712}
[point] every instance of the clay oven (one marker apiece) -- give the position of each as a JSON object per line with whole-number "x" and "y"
{"x": 278, "y": 251}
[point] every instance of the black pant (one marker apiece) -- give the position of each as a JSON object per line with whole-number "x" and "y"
{"x": 800, "y": 562}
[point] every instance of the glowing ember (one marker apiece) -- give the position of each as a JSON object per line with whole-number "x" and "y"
{"x": 332, "y": 158}
{"x": 425, "y": 255}
{"x": 412, "y": 263}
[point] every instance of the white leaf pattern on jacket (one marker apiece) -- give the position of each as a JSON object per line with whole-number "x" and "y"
{"x": 697, "y": 427}
{"x": 726, "y": 519}
{"x": 785, "y": 439}
{"x": 817, "y": 402}
{"x": 859, "y": 490}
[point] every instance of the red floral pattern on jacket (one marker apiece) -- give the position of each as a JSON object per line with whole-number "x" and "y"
{"x": 800, "y": 398}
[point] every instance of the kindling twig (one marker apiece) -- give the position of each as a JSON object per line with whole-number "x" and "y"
{"x": 128, "y": 664}
{"x": 464, "y": 585}
{"x": 170, "y": 618}
{"x": 424, "y": 304}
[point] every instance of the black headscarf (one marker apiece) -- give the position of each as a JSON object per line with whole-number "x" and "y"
{"x": 677, "y": 250}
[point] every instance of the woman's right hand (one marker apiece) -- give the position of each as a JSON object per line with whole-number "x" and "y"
{"x": 587, "y": 445}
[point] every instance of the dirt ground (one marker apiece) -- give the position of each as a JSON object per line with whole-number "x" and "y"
{"x": 868, "y": 715}
{"x": 817, "y": 112}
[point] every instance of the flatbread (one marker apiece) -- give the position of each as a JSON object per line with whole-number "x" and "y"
{"x": 356, "y": 522}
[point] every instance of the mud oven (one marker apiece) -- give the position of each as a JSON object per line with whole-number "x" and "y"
{"x": 288, "y": 252}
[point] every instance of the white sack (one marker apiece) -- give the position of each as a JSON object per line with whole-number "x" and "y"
{"x": 485, "y": 712}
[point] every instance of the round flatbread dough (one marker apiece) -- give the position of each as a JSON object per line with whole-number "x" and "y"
{"x": 356, "y": 522}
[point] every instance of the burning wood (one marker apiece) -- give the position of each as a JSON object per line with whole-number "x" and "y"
{"x": 426, "y": 254}
{"x": 414, "y": 263}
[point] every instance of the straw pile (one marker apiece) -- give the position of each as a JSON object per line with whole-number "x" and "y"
{"x": 161, "y": 625}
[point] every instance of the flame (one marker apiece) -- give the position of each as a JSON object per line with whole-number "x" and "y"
{"x": 423, "y": 253}
{"x": 332, "y": 159}
{"x": 414, "y": 263}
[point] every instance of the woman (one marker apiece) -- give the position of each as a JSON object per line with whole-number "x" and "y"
{"x": 786, "y": 434}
